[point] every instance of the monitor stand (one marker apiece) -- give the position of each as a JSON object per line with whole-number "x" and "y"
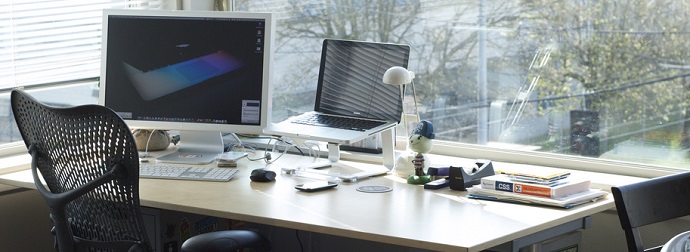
{"x": 196, "y": 147}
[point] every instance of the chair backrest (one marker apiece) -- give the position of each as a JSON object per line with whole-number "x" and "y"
{"x": 88, "y": 159}
{"x": 651, "y": 201}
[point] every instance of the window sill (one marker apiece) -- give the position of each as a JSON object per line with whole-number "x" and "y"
{"x": 13, "y": 163}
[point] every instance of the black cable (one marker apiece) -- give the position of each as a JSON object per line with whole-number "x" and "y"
{"x": 301, "y": 247}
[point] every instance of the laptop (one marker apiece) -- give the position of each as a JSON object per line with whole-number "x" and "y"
{"x": 350, "y": 88}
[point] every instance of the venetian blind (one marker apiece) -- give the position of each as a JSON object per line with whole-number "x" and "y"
{"x": 48, "y": 41}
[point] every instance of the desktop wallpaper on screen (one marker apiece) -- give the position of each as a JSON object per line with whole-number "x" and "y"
{"x": 184, "y": 69}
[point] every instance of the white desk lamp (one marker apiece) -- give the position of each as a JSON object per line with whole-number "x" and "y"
{"x": 398, "y": 76}
{"x": 401, "y": 77}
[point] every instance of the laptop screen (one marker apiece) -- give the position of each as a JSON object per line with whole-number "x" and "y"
{"x": 350, "y": 79}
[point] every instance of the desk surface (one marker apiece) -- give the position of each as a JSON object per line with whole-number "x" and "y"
{"x": 409, "y": 215}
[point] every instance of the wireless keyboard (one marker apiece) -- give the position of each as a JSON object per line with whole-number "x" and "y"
{"x": 167, "y": 171}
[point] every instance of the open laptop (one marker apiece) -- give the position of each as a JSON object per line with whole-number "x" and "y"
{"x": 350, "y": 86}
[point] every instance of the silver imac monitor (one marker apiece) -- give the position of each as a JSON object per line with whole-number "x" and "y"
{"x": 202, "y": 73}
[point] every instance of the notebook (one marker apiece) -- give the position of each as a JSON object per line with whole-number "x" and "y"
{"x": 350, "y": 86}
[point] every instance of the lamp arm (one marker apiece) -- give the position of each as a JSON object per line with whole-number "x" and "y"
{"x": 414, "y": 96}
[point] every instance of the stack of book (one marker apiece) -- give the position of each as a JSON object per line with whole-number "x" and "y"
{"x": 551, "y": 189}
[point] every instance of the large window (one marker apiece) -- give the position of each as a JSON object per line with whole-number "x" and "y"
{"x": 584, "y": 84}
{"x": 53, "y": 46}
{"x": 579, "y": 81}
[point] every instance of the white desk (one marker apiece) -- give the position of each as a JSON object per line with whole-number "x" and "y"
{"x": 409, "y": 215}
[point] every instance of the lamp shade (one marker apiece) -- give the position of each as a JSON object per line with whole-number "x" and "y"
{"x": 397, "y": 76}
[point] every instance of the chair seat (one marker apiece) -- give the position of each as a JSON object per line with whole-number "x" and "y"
{"x": 225, "y": 241}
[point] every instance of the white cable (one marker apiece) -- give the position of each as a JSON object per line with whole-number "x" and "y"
{"x": 239, "y": 141}
{"x": 310, "y": 144}
{"x": 273, "y": 149}
{"x": 146, "y": 149}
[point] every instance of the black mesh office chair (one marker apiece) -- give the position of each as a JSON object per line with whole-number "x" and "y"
{"x": 88, "y": 159}
{"x": 651, "y": 201}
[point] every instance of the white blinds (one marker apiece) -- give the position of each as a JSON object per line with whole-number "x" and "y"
{"x": 47, "y": 41}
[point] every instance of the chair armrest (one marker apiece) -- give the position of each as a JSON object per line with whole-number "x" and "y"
{"x": 63, "y": 198}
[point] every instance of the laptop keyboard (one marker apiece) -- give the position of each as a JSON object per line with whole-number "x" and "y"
{"x": 348, "y": 123}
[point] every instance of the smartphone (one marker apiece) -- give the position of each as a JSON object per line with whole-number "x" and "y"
{"x": 316, "y": 186}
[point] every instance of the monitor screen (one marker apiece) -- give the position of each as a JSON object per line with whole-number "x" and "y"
{"x": 200, "y": 72}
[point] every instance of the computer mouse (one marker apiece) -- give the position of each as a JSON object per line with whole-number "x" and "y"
{"x": 262, "y": 175}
